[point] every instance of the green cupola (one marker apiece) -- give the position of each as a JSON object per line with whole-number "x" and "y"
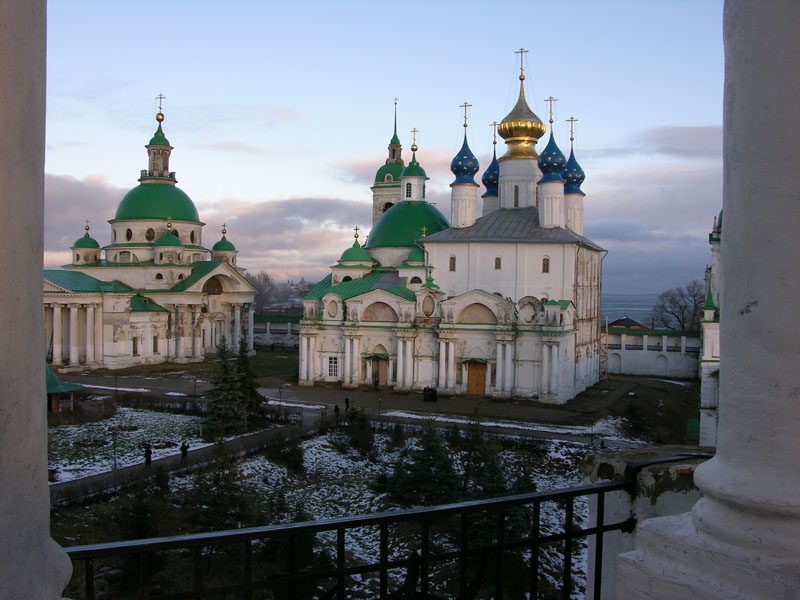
{"x": 224, "y": 249}
{"x": 86, "y": 241}
{"x": 390, "y": 171}
{"x": 356, "y": 254}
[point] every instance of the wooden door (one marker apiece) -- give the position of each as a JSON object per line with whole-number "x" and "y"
{"x": 476, "y": 379}
{"x": 383, "y": 372}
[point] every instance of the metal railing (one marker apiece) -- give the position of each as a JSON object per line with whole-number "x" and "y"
{"x": 485, "y": 548}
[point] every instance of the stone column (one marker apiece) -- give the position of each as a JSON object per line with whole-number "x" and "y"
{"x": 237, "y": 326}
{"x": 90, "y": 334}
{"x": 251, "y": 313}
{"x": 196, "y": 350}
{"x": 302, "y": 375}
{"x": 33, "y": 565}
{"x": 57, "y": 334}
{"x": 74, "y": 342}
{"x": 554, "y": 369}
{"x": 499, "y": 367}
{"x": 508, "y": 378}
{"x": 390, "y": 371}
{"x": 348, "y": 368}
{"x": 742, "y": 539}
{"x": 442, "y": 363}
{"x": 410, "y": 363}
{"x": 545, "y": 369}
{"x": 451, "y": 365}
{"x": 400, "y": 363}
{"x": 356, "y": 359}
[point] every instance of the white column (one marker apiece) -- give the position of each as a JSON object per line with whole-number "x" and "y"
{"x": 251, "y": 313}
{"x": 554, "y": 369}
{"x": 33, "y": 565}
{"x": 90, "y": 334}
{"x": 508, "y": 378}
{"x": 442, "y": 363}
{"x": 369, "y": 371}
{"x": 390, "y": 371}
{"x": 356, "y": 359}
{"x": 451, "y": 365}
{"x": 348, "y": 368}
{"x": 57, "y": 334}
{"x": 410, "y": 363}
{"x": 195, "y": 314}
{"x": 237, "y": 326}
{"x": 302, "y": 375}
{"x": 74, "y": 347}
{"x": 498, "y": 368}
{"x": 400, "y": 362}
{"x": 545, "y": 369}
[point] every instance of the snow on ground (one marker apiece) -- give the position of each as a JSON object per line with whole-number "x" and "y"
{"x": 683, "y": 383}
{"x": 119, "y": 389}
{"x": 162, "y": 430}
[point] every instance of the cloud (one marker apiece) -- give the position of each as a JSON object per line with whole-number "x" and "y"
{"x": 701, "y": 142}
{"x": 238, "y": 147}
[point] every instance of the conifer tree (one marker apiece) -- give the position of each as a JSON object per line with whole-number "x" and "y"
{"x": 226, "y": 397}
{"x": 425, "y": 476}
{"x": 252, "y": 400}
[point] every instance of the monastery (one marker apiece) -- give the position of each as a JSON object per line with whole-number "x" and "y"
{"x": 500, "y": 301}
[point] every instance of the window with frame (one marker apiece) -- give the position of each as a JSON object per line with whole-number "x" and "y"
{"x": 135, "y": 341}
{"x": 498, "y": 263}
{"x": 155, "y": 344}
{"x": 408, "y": 190}
{"x": 333, "y": 366}
{"x": 452, "y": 263}
{"x": 545, "y": 265}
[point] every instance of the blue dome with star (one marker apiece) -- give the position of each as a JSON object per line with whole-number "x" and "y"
{"x": 464, "y": 165}
{"x": 573, "y": 175}
{"x": 552, "y": 161}
{"x": 491, "y": 177}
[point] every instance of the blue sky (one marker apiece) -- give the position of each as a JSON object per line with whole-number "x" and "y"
{"x": 280, "y": 114}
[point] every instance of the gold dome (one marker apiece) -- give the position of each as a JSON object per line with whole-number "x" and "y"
{"x": 521, "y": 128}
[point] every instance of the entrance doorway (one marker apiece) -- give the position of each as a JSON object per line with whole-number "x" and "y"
{"x": 476, "y": 379}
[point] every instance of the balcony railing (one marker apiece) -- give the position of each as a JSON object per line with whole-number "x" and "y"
{"x": 503, "y": 547}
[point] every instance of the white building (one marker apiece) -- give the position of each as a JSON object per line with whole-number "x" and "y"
{"x": 709, "y": 328}
{"x": 155, "y": 294}
{"x": 502, "y": 304}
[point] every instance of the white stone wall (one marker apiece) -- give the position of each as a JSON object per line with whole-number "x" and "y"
{"x": 659, "y": 355}
{"x": 522, "y": 173}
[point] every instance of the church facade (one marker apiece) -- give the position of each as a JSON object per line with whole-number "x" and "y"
{"x": 504, "y": 303}
{"x": 155, "y": 293}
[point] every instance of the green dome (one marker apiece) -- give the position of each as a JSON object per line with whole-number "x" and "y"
{"x": 417, "y": 255}
{"x": 86, "y": 242}
{"x": 356, "y": 254}
{"x": 395, "y": 170}
{"x": 223, "y": 246}
{"x": 413, "y": 169}
{"x": 157, "y": 201}
{"x": 168, "y": 239}
{"x": 402, "y": 225}
{"x": 159, "y": 139}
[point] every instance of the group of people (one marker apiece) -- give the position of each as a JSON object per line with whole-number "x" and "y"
{"x": 148, "y": 454}
{"x": 336, "y": 409}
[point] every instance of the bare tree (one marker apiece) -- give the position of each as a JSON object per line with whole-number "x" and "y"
{"x": 680, "y": 309}
{"x": 264, "y": 286}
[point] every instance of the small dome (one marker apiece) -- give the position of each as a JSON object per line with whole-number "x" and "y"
{"x": 573, "y": 175}
{"x": 155, "y": 200}
{"x": 552, "y": 161}
{"x": 223, "y": 246}
{"x": 394, "y": 169}
{"x": 86, "y": 242}
{"x": 168, "y": 239}
{"x": 356, "y": 254}
{"x": 413, "y": 169}
{"x": 159, "y": 139}
{"x": 491, "y": 176}
{"x": 402, "y": 225}
{"x": 464, "y": 165}
{"x": 416, "y": 255}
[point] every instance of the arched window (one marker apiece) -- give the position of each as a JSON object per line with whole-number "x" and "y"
{"x": 452, "y": 265}
{"x": 415, "y": 280}
{"x": 128, "y": 234}
{"x": 347, "y": 278}
{"x": 77, "y": 258}
{"x": 124, "y": 256}
{"x": 150, "y": 235}
{"x": 160, "y": 256}
{"x": 545, "y": 265}
{"x": 191, "y": 237}
{"x": 408, "y": 190}
{"x": 159, "y": 276}
{"x": 180, "y": 276}
{"x": 498, "y": 263}
{"x": 516, "y": 196}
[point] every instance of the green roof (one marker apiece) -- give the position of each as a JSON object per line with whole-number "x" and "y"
{"x": 417, "y": 255}
{"x": 356, "y": 254}
{"x": 395, "y": 170}
{"x": 402, "y": 225}
{"x": 159, "y": 139}
{"x": 430, "y": 284}
{"x": 142, "y": 304}
{"x": 76, "y": 281}
{"x": 86, "y": 242}
{"x": 387, "y": 280}
{"x": 709, "y": 305}
{"x": 223, "y": 246}
{"x": 168, "y": 239}
{"x": 157, "y": 200}
{"x": 55, "y": 386}
{"x": 413, "y": 169}
{"x": 199, "y": 270}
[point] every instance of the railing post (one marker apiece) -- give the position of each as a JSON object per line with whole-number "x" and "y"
{"x": 89, "y": 574}
{"x": 535, "y": 517}
{"x": 462, "y": 564}
{"x": 424, "y": 555}
{"x": 248, "y": 569}
{"x": 340, "y": 563}
{"x": 384, "y": 560}
{"x": 566, "y": 591}
{"x": 598, "y": 545}
{"x": 196, "y": 558}
{"x": 499, "y": 554}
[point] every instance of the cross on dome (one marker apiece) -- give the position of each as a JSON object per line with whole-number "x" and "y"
{"x": 465, "y": 106}
{"x": 224, "y": 230}
{"x": 356, "y": 230}
{"x": 551, "y": 100}
{"x": 424, "y": 230}
{"x": 571, "y": 121}
{"x": 521, "y": 53}
{"x": 493, "y": 125}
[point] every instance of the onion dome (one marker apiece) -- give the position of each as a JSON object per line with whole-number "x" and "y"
{"x": 521, "y": 128}
{"x": 552, "y": 161}
{"x": 86, "y": 241}
{"x": 402, "y": 225}
{"x": 157, "y": 201}
{"x": 223, "y": 246}
{"x": 416, "y": 256}
{"x": 413, "y": 169}
{"x": 168, "y": 239}
{"x": 573, "y": 176}
{"x": 356, "y": 253}
{"x": 464, "y": 165}
{"x": 159, "y": 139}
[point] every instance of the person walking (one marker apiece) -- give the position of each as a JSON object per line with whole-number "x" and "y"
{"x": 148, "y": 455}
{"x": 336, "y": 413}
{"x": 346, "y": 404}
{"x": 184, "y": 454}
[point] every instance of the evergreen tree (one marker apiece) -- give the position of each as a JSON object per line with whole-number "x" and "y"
{"x": 226, "y": 398}
{"x": 425, "y": 475}
{"x": 252, "y": 400}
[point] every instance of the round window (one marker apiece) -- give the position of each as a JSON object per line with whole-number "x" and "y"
{"x": 150, "y": 235}
{"x": 333, "y": 308}
{"x": 191, "y": 237}
{"x": 128, "y": 235}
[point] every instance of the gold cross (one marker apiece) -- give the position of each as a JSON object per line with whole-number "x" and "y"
{"x": 414, "y": 132}
{"x": 160, "y": 97}
{"x": 87, "y": 226}
{"x": 424, "y": 230}
{"x": 224, "y": 231}
{"x": 521, "y": 53}
{"x": 493, "y": 125}
{"x": 465, "y": 106}
{"x": 551, "y": 100}
{"x": 356, "y": 230}
{"x": 571, "y": 122}
{"x": 169, "y": 223}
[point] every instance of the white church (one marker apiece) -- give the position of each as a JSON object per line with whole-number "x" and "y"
{"x": 501, "y": 301}
{"x": 155, "y": 293}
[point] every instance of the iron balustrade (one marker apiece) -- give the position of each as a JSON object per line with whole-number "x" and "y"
{"x": 486, "y": 522}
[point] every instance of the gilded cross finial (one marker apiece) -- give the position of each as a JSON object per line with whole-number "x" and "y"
{"x": 160, "y": 97}
{"x": 571, "y": 122}
{"x": 224, "y": 230}
{"x": 424, "y": 230}
{"x": 493, "y": 125}
{"x": 521, "y": 53}
{"x": 414, "y": 133}
{"x": 551, "y": 100}
{"x": 465, "y": 106}
{"x": 87, "y": 226}
{"x": 169, "y": 223}
{"x": 356, "y": 230}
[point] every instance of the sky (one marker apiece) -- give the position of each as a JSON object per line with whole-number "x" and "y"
{"x": 280, "y": 114}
